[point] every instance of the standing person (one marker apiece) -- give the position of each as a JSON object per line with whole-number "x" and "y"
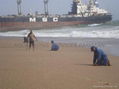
{"x": 99, "y": 58}
{"x": 31, "y": 38}
{"x": 54, "y": 46}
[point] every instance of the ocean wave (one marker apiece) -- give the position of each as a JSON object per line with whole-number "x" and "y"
{"x": 84, "y": 32}
{"x": 92, "y": 25}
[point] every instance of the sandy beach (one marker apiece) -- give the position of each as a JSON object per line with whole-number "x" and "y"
{"x": 69, "y": 68}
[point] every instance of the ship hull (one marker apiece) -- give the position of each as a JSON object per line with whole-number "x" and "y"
{"x": 26, "y": 22}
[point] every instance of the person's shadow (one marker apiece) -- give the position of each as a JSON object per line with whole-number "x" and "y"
{"x": 85, "y": 64}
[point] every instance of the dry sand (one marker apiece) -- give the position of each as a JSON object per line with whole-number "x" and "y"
{"x": 69, "y": 68}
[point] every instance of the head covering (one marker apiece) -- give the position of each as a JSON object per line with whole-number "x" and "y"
{"x": 52, "y": 41}
{"x": 93, "y": 48}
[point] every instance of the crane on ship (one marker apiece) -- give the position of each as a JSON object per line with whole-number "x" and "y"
{"x": 46, "y": 7}
{"x": 19, "y": 6}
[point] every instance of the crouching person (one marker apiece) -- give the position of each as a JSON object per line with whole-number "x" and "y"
{"x": 99, "y": 58}
{"x": 54, "y": 46}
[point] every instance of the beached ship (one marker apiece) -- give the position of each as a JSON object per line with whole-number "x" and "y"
{"x": 80, "y": 14}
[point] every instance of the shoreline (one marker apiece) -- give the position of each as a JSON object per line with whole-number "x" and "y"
{"x": 69, "y": 68}
{"x": 109, "y": 45}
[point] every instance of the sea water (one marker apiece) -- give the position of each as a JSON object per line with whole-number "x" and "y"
{"x": 105, "y": 36}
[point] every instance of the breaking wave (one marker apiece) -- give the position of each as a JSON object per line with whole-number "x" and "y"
{"x": 109, "y": 30}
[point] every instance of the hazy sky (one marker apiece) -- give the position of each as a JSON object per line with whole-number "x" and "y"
{"x": 55, "y": 6}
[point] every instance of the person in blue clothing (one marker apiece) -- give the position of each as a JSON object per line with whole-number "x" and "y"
{"x": 54, "y": 46}
{"x": 99, "y": 58}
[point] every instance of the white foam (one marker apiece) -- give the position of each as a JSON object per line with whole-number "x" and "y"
{"x": 92, "y": 25}
{"x": 96, "y": 34}
{"x": 14, "y": 33}
{"x": 91, "y": 32}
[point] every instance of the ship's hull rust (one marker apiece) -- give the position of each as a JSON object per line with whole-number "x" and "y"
{"x": 20, "y": 23}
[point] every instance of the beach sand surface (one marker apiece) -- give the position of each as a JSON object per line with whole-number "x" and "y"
{"x": 69, "y": 68}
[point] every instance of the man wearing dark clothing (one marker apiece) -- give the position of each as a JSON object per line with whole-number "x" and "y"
{"x": 99, "y": 58}
{"x": 31, "y": 38}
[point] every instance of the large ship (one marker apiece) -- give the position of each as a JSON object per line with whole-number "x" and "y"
{"x": 80, "y": 14}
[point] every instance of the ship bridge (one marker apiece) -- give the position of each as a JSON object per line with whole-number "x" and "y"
{"x": 83, "y": 10}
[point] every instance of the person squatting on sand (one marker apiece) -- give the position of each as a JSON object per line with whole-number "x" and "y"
{"x": 31, "y": 38}
{"x": 54, "y": 46}
{"x": 99, "y": 58}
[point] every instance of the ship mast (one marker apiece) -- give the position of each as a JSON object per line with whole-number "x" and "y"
{"x": 19, "y": 6}
{"x": 46, "y": 7}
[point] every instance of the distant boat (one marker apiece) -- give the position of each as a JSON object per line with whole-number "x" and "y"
{"x": 80, "y": 14}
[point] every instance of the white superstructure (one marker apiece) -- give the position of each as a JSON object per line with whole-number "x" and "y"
{"x": 83, "y": 10}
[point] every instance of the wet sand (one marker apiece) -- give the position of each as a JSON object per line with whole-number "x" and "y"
{"x": 109, "y": 45}
{"x": 69, "y": 68}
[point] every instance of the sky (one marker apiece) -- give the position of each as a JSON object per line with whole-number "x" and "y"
{"x": 55, "y": 6}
